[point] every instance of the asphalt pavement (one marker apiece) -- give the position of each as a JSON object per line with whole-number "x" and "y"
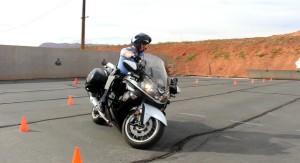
{"x": 211, "y": 120}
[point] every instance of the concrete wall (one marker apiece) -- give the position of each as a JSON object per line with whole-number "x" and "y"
{"x": 17, "y": 62}
{"x": 275, "y": 74}
{"x": 20, "y": 62}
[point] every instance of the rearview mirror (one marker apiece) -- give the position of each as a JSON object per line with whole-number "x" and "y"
{"x": 174, "y": 81}
{"x": 103, "y": 62}
{"x": 142, "y": 63}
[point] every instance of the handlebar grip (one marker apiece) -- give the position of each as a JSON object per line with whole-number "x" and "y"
{"x": 136, "y": 58}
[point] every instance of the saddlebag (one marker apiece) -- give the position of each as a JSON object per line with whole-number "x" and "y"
{"x": 96, "y": 80}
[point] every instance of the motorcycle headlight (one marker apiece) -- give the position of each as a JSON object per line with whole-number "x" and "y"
{"x": 158, "y": 94}
{"x": 150, "y": 89}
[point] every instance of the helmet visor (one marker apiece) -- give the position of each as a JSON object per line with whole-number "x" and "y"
{"x": 145, "y": 42}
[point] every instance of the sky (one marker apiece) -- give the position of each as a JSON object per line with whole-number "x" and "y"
{"x": 33, "y": 22}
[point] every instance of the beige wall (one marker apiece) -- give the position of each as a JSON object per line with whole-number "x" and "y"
{"x": 275, "y": 74}
{"x": 17, "y": 62}
{"x": 20, "y": 62}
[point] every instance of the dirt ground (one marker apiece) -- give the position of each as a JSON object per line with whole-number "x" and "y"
{"x": 227, "y": 58}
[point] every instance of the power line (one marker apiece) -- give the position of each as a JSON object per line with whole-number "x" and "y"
{"x": 61, "y": 4}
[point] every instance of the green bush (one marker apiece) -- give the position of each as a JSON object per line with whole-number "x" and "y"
{"x": 275, "y": 52}
{"x": 261, "y": 55}
{"x": 242, "y": 54}
{"x": 190, "y": 57}
{"x": 221, "y": 53}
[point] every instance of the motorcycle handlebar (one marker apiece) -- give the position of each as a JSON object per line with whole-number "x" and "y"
{"x": 136, "y": 58}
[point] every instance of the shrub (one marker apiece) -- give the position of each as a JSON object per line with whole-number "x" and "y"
{"x": 275, "y": 52}
{"x": 222, "y": 53}
{"x": 190, "y": 57}
{"x": 177, "y": 57}
{"x": 242, "y": 54}
{"x": 261, "y": 55}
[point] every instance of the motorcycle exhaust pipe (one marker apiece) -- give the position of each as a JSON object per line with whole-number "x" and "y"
{"x": 94, "y": 101}
{"x": 103, "y": 117}
{"x": 96, "y": 108}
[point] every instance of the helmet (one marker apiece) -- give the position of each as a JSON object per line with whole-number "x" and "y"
{"x": 139, "y": 39}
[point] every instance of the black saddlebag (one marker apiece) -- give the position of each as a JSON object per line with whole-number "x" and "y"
{"x": 96, "y": 80}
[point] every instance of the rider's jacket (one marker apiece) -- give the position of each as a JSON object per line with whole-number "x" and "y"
{"x": 121, "y": 67}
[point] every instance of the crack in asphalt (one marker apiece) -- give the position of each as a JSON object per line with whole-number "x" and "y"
{"x": 53, "y": 99}
{"x": 177, "y": 147}
{"x": 284, "y": 94}
{"x": 44, "y": 120}
{"x": 77, "y": 87}
{"x": 42, "y": 90}
{"x": 238, "y": 90}
{"x": 199, "y": 85}
{"x": 180, "y": 100}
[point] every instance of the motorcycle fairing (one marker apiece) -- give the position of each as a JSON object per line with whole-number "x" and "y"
{"x": 149, "y": 111}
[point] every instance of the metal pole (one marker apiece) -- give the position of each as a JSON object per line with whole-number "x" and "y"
{"x": 83, "y": 25}
{"x": 209, "y": 68}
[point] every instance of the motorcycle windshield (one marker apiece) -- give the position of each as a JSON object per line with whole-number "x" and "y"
{"x": 155, "y": 68}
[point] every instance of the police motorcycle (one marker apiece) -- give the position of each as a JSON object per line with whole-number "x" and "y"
{"x": 135, "y": 103}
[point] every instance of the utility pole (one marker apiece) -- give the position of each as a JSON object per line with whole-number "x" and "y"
{"x": 83, "y": 25}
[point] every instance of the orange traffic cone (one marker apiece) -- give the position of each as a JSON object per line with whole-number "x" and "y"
{"x": 264, "y": 80}
{"x": 235, "y": 82}
{"x": 271, "y": 79}
{"x": 76, "y": 156}
{"x": 252, "y": 81}
{"x": 24, "y": 127}
{"x": 70, "y": 100}
{"x": 75, "y": 80}
{"x": 197, "y": 81}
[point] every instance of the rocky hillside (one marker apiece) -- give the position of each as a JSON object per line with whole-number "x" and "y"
{"x": 227, "y": 58}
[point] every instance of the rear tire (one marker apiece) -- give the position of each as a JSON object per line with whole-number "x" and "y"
{"x": 142, "y": 136}
{"x": 96, "y": 117}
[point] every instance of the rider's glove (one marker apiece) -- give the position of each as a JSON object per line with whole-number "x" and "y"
{"x": 136, "y": 58}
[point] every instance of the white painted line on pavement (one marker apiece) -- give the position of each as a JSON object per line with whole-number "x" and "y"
{"x": 198, "y": 115}
{"x": 255, "y": 124}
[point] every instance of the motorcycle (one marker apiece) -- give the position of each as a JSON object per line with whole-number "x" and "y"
{"x": 135, "y": 103}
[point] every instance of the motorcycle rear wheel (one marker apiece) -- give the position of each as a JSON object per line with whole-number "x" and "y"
{"x": 142, "y": 136}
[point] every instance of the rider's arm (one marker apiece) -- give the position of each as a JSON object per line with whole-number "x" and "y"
{"x": 128, "y": 53}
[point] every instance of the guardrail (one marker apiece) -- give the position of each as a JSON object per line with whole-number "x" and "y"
{"x": 275, "y": 74}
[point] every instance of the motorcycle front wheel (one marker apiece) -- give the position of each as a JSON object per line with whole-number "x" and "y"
{"x": 141, "y": 136}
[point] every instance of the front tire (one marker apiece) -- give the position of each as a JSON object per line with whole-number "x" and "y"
{"x": 142, "y": 136}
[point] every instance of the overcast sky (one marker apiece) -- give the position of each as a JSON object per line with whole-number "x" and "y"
{"x": 33, "y": 22}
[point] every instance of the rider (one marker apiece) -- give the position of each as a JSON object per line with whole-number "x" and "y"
{"x": 135, "y": 52}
